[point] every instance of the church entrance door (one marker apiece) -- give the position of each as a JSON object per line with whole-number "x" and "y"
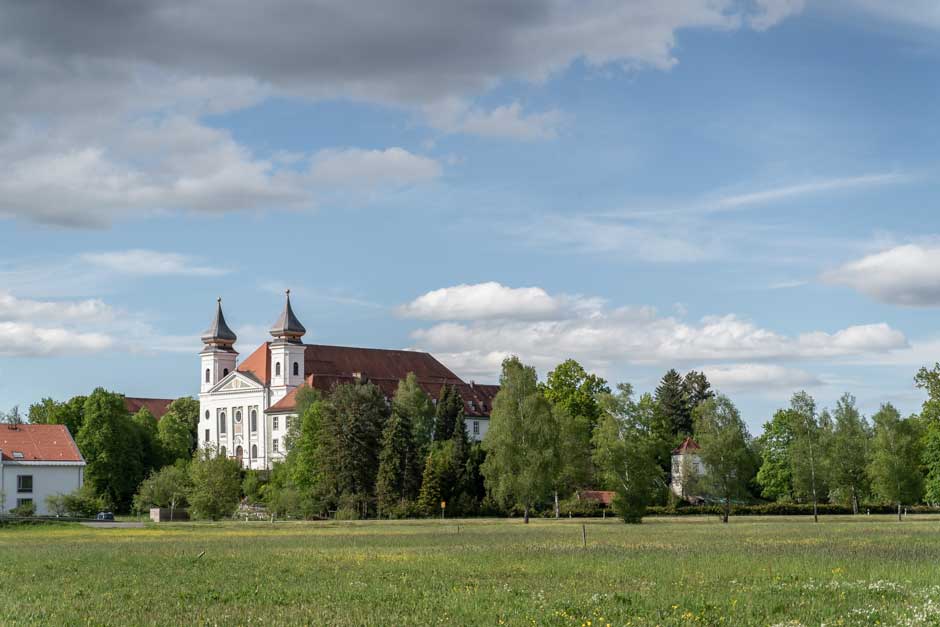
{"x": 239, "y": 454}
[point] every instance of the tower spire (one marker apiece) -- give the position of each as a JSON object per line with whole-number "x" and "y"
{"x": 219, "y": 335}
{"x": 288, "y": 327}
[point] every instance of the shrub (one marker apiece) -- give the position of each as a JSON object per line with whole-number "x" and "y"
{"x": 26, "y": 510}
{"x": 85, "y": 503}
{"x": 576, "y": 508}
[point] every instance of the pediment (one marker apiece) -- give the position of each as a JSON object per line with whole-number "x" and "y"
{"x": 236, "y": 382}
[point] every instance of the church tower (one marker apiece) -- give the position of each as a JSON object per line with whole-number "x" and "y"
{"x": 287, "y": 353}
{"x": 218, "y": 355}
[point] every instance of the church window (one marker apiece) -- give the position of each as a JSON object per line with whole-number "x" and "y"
{"x": 207, "y": 436}
{"x": 274, "y": 423}
{"x": 296, "y": 369}
{"x": 207, "y": 414}
{"x": 238, "y": 416}
{"x": 208, "y": 375}
{"x": 222, "y": 423}
{"x": 254, "y": 420}
{"x": 274, "y": 445}
{"x": 225, "y": 372}
{"x": 254, "y": 451}
{"x": 277, "y": 369}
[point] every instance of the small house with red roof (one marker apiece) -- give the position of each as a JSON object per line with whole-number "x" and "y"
{"x": 686, "y": 466}
{"x": 37, "y": 461}
{"x": 245, "y": 409}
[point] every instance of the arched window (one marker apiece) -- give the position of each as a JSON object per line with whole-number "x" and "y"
{"x": 225, "y": 372}
{"x": 277, "y": 369}
{"x": 222, "y": 426}
{"x": 254, "y": 451}
{"x": 254, "y": 421}
{"x": 208, "y": 375}
{"x": 296, "y": 369}
{"x": 207, "y": 414}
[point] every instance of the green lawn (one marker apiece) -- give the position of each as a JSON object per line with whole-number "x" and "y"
{"x": 843, "y": 571}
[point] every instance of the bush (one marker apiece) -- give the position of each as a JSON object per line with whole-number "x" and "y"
{"x": 85, "y": 503}
{"x": 783, "y": 509}
{"x": 26, "y": 510}
{"x": 56, "y": 503}
{"x": 576, "y": 508}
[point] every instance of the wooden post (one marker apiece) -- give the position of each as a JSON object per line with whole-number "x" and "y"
{"x": 583, "y": 536}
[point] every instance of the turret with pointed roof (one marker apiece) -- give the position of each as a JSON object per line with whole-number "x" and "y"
{"x": 219, "y": 335}
{"x": 288, "y": 327}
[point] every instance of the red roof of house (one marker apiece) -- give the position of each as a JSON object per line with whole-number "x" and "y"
{"x": 604, "y": 497}
{"x": 31, "y": 443}
{"x": 156, "y": 406}
{"x": 328, "y": 366}
{"x": 687, "y": 445}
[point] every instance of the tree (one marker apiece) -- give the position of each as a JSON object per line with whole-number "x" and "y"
{"x": 177, "y": 430}
{"x": 110, "y": 446}
{"x": 849, "y": 454}
{"x": 303, "y": 461}
{"x": 672, "y": 404}
{"x": 520, "y": 455}
{"x": 725, "y": 450}
{"x": 775, "y": 476}
{"x": 807, "y": 449}
{"x": 894, "y": 469}
{"x": 449, "y": 413}
{"x": 167, "y": 487}
{"x": 432, "y": 492}
{"x": 929, "y": 380}
{"x": 151, "y": 455}
{"x": 625, "y": 446}
{"x": 350, "y": 439}
{"x": 12, "y": 417}
{"x": 411, "y": 400}
{"x": 399, "y": 474}
{"x": 697, "y": 389}
{"x": 215, "y": 485}
{"x": 50, "y": 412}
{"x": 572, "y": 387}
{"x": 57, "y": 504}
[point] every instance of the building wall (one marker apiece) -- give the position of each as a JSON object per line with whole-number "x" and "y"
{"x": 477, "y": 432}
{"x": 49, "y": 478}
{"x": 226, "y": 407}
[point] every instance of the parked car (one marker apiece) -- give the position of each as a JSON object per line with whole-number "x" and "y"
{"x": 104, "y": 516}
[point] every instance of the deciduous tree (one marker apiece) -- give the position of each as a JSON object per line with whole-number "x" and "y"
{"x": 215, "y": 485}
{"x": 411, "y": 400}
{"x": 849, "y": 454}
{"x": 725, "y": 450}
{"x": 894, "y": 469}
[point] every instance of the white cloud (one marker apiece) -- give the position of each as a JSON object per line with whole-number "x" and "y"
{"x": 455, "y": 116}
{"x": 22, "y": 339}
{"x": 354, "y": 166}
{"x": 903, "y": 275}
{"x": 21, "y": 309}
{"x": 776, "y": 194}
{"x": 919, "y": 13}
{"x": 481, "y": 301}
{"x": 759, "y": 377}
{"x": 150, "y": 263}
{"x": 772, "y": 12}
{"x": 601, "y": 336}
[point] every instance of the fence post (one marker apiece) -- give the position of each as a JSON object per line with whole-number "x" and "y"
{"x": 583, "y": 536}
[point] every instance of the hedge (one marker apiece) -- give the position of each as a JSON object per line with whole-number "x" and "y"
{"x": 784, "y": 509}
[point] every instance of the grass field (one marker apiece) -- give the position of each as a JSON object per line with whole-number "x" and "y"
{"x": 843, "y": 571}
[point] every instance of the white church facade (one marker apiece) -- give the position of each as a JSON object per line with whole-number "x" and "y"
{"x": 246, "y": 407}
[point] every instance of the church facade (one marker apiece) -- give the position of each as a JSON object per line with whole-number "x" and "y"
{"x": 246, "y": 407}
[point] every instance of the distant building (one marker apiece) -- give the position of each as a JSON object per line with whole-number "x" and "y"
{"x": 37, "y": 461}
{"x": 245, "y": 409}
{"x": 686, "y": 467}
{"x": 156, "y": 406}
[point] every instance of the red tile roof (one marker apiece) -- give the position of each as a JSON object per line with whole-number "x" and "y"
{"x": 48, "y": 443}
{"x": 687, "y": 445}
{"x": 328, "y": 366}
{"x": 156, "y": 406}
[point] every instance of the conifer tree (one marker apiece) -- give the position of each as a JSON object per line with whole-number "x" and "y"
{"x": 449, "y": 413}
{"x": 399, "y": 473}
{"x": 697, "y": 389}
{"x": 673, "y": 411}
{"x": 431, "y": 494}
{"x": 412, "y": 401}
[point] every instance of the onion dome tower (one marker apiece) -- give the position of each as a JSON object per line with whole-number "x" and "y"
{"x": 218, "y": 352}
{"x": 287, "y": 352}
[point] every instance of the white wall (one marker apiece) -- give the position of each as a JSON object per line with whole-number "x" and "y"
{"x": 484, "y": 424}
{"x": 48, "y": 478}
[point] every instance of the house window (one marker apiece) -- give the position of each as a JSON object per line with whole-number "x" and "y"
{"x": 208, "y": 375}
{"x": 274, "y": 445}
{"x": 274, "y": 423}
{"x": 24, "y": 483}
{"x": 254, "y": 420}
{"x": 476, "y": 427}
{"x": 277, "y": 369}
{"x": 287, "y": 423}
{"x": 254, "y": 451}
{"x": 238, "y": 416}
{"x": 296, "y": 369}
{"x": 22, "y": 502}
{"x": 207, "y": 436}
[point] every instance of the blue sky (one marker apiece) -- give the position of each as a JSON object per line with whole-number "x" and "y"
{"x": 741, "y": 187}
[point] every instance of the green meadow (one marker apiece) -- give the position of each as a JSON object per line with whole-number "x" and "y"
{"x": 768, "y": 571}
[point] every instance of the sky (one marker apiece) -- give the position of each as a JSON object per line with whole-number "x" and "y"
{"x": 745, "y": 188}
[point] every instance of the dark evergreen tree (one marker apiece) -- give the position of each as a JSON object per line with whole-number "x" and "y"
{"x": 448, "y": 414}
{"x": 672, "y": 406}
{"x": 431, "y": 494}
{"x": 697, "y": 389}
{"x": 399, "y": 474}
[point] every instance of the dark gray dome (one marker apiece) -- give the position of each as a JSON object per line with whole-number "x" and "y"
{"x": 288, "y": 327}
{"x": 219, "y": 333}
